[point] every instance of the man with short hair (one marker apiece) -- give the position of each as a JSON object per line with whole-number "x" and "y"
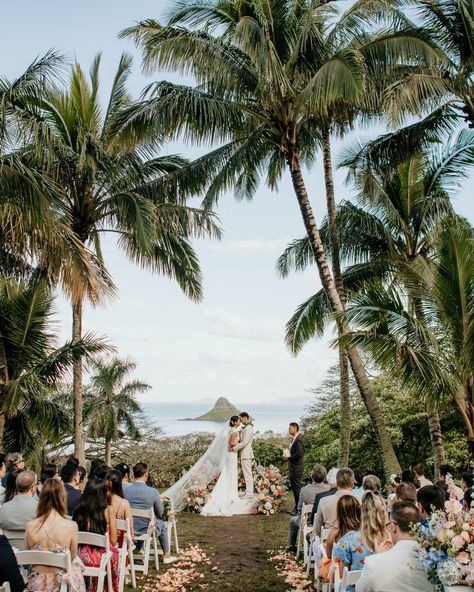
{"x": 327, "y": 510}
{"x": 397, "y": 570}
{"x": 143, "y": 497}
{"x": 71, "y": 478}
{"x": 295, "y": 463}
{"x": 429, "y": 499}
{"x": 244, "y": 446}
{"x": 467, "y": 480}
{"x": 307, "y": 495}
{"x": 331, "y": 479}
{"x": 15, "y": 462}
{"x": 406, "y": 492}
{"x": 22, "y": 508}
{"x": 419, "y": 470}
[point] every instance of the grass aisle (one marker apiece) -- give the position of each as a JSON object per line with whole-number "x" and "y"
{"x": 237, "y": 552}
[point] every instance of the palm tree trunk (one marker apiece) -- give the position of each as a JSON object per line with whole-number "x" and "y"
{"x": 77, "y": 384}
{"x": 108, "y": 451}
{"x": 344, "y": 385}
{"x": 436, "y": 436}
{"x": 390, "y": 461}
{"x": 2, "y": 429}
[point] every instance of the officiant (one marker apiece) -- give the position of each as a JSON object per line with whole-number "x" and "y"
{"x": 295, "y": 457}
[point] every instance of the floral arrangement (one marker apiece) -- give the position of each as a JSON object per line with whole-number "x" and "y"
{"x": 198, "y": 495}
{"x": 291, "y": 571}
{"x": 270, "y": 488}
{"x": 447, "y": 544}
{"x": 165, "y": 502}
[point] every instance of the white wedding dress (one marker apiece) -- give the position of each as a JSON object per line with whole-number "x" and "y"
{"x": 217, "y": 461}
{"x": 225, "y": 500}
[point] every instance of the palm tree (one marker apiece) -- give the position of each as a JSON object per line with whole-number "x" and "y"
{"x": 107, "y": 179}
{"x": 388, "y": 235}
{"x": 433, "y": 357}
{"x": 263, "y": 71}
{"x": 31, "y": 365}
{"x": 111, "y": 404}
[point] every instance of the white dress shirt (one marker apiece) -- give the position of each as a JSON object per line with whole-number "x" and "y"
{"x": 394, "y": 571}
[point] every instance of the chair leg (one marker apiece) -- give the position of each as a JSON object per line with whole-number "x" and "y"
{"x": 155, "y": 552}
{"x": 131, "y": 563}
{"x": 109, "y": 576}
{"x": 122, "y": 568}
{"x": 146, "y": 558}
{"x": 175, "y": 532}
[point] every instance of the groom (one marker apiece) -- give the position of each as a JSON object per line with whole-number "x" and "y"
{"x": 246, "y": 452}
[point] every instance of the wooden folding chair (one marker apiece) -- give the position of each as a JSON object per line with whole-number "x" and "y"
{"x": 105, "y": 568}
{"x": 125, "y": 551}
{"x": 149, "y": 541}
{"x": 47, "y": 559}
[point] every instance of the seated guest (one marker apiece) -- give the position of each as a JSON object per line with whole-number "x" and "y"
{"x": 307, "y": 495}
{"x": 22, "y": 508}
{"x": 72, "y": 460}
{"x": 327, "y": 509}
{"x": 125, "y": 470}
{"x": 467, "y": 481}
{"x": 95, "y": 464}
{"x": 9, "y": 570}
{"x": 51, "y": 531}
{"x": 348, "y": 520}
{"x": 429, "y": 499}
{"x": 93, "y": 514}
{"x": 419, "y": 471}
{"x": 355, "y": 546}
{"x": 82, "y": 477}
{"x": 49, "y": 471}
{"x": 408, "y": 476}
{"x": 118, "y": 505}
{"x": 331, "y": 479}
{"x": 397, "y": 570}
{"x": 406, "y": 492}
{"x": 358, "y": 480}
{"x": 444, "y": 471}
{"x": 143, "y": 497}
{"x": 15, "y": 462}
{"x": 10, "y": 489}
{"x": 3, "y": 470}
{"x": 371, "y": 483}
{"x": 102, "y": 471}
{"x": 70, "y": 477}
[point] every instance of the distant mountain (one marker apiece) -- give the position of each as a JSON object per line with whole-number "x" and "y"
{"x": 222, "y": 410}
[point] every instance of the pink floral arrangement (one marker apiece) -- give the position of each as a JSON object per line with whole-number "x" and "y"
{"x": 198, "y": 495}
{"x": 447, "y": 543}
{"x": 270, "y": 489}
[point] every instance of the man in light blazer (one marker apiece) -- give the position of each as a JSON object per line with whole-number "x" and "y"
{"x": 396, "y": 570}
{"x": 143, "y": 497}
{"x": 246, "y": 452}
{"x": 22, "y": 508}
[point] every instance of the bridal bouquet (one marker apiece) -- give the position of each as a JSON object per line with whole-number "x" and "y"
{"x": 447, "y": 544}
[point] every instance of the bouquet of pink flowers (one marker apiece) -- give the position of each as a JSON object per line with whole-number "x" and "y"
{"x": 447, "y": 544}
{"x": 270, "y": 488}
{"x": 198, "y": 495}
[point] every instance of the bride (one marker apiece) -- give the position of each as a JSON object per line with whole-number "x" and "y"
{"x": 218, "y": 461}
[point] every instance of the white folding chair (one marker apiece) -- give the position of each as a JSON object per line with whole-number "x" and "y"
{"x": 171, "y": 526}
{"x": 126, "y": 550}
{"x": 334, "y": 579}
{"x": 47, "y": 559}
{"x": 18, "y": 535}
{"x": 349, "y": 578}
{"x": 105, "y": 568}
{"x": 313, "y": 559}
{"x": 5, "y": 587}
{"x": 302, "y": 544}
{"x": 148, "y": 539}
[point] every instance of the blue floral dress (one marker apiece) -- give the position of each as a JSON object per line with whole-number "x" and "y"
{"x": 351, "y": 551}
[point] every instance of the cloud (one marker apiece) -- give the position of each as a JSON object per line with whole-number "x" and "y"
{"x": 248, "y": 247}
{"x": 227, "y": 324}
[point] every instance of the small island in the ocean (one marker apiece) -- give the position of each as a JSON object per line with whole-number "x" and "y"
{"x": 223, "y": 410}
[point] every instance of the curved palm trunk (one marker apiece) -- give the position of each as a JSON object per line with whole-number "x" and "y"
{"x": 436, "y": 437}
{"x": 390, "y": 461}
{"x": 344, "y": 385}
{"x": 108, "y": 452}
{"x": 2, "y": 428}
{"x": 77, "y": 384}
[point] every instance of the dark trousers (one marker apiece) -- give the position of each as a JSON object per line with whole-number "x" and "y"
{"x": 295, "y": 473}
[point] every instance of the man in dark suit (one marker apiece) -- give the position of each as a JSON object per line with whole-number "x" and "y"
{"x": 70, "y": 477}
{"x": 295, "y": 463}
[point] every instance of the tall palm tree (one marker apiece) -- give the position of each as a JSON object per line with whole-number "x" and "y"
{"x": 111, "y": 405}
{"x": 388, "y": 235}
{"x": 31, "y": 365}
{"x": 108, "y": 179}
{"x": 433, "y": 357}
{"x": 263, "y": 70}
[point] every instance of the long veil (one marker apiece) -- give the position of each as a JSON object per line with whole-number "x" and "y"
{"x": 208, "y": 467}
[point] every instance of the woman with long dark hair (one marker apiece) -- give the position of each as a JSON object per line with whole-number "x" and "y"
{"x": 93, "y": 514}
{"x": 51, "y": 531}
{"x": 118, "y": 505}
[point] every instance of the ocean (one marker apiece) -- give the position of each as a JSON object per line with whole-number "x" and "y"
{"x": 266, "y": 417}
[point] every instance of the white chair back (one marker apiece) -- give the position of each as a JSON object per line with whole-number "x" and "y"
{"x": 349, "y": 578}
{"x": 149, "y": 540}
{"x": 5, "y": 587}
{"x": 105, "y": 569}
{"x": 61, "y": 561}
{"x": 126, "y": 550}
{"x": 14, "y": 534}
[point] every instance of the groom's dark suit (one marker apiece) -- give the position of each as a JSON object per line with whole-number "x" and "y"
{"x": 296, "y": 467}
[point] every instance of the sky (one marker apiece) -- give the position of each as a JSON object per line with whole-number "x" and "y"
{"x": 231, "y": 343}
